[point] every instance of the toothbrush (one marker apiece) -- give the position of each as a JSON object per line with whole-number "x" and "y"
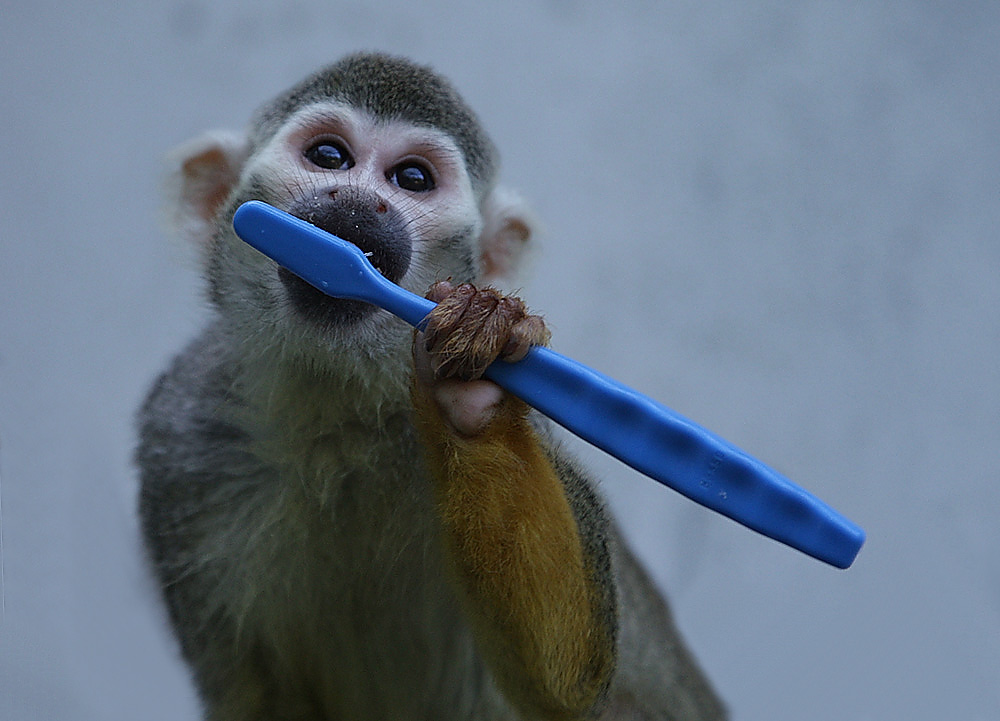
{"x": 640, "y": 432}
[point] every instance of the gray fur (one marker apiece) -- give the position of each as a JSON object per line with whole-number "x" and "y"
{"x": 287, "y": 510}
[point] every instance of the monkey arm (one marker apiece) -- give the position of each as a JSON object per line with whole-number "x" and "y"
{"x": 524, "y": 537}
{"x": 529, "y": 585}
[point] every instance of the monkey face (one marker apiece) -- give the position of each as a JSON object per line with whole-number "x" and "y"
{"x": 375, "y": 151}
{"x": 398, "y": 191}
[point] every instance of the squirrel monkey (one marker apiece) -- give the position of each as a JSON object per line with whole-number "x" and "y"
{"x": 347, "y": 522}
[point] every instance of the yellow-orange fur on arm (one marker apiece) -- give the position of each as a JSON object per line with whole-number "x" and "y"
{"x": 514, "y": 546}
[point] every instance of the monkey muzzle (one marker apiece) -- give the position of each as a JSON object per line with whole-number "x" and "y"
{"x": 367, "y": 221}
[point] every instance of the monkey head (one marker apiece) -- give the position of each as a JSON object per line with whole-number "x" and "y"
{"x": 376, "y": 150}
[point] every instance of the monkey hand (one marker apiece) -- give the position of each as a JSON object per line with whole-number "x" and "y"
{"x": 468, "y": 330}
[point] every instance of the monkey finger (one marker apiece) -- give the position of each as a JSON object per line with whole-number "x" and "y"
{"x": 465, "y": 367}
{"x": 468, "y": 341}
{"x": 497, "y": 318}
{"x": 527, "y": 332}
{"x": 453, "y": 362}
{"x": 440, "y": 290}
{"x": 445, "y": 319}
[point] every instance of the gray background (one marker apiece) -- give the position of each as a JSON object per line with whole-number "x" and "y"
{"x": 778, "y": 218}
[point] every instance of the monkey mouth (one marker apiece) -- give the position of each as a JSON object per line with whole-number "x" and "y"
{"x": 367, "y": 222}
{"x": 370, "y": 255}
{"x": 317, "y": 307}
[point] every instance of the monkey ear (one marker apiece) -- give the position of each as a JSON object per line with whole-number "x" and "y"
{"x": 203, "y": 171}
{"x": 507, "y": 227}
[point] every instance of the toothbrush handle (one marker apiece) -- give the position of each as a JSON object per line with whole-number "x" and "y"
{"x": 679, "y": 454}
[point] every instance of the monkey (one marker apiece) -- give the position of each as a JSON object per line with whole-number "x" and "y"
{"x": 346, "y": 520}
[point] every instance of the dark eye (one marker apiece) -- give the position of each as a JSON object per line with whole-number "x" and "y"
{"x": 413, "y": 177}
{"x": 330, "y": 155}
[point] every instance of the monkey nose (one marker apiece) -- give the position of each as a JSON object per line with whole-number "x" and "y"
{"x": 380, "y": 206}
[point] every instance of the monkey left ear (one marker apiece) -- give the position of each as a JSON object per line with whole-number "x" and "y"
{"x": 203, "y": 172}
{"x": 507, "y": 227}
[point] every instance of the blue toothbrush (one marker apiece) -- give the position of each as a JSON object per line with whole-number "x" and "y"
{"x": 622, "y": 422}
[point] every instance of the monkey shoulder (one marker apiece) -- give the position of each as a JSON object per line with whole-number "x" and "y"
{"x": 183, "y": 422}
{"x": 187, "y": 447}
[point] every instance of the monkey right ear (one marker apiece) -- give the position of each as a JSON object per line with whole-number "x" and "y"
{"x": 507, "y": 228}
{"x": 203, "y": 172}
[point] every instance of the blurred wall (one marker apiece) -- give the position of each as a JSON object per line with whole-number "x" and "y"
{"x": 779, "y": 218}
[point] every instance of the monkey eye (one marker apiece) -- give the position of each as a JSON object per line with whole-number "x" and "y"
{"x": 411, "y": 176}
{"x": 330, "y": 155}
